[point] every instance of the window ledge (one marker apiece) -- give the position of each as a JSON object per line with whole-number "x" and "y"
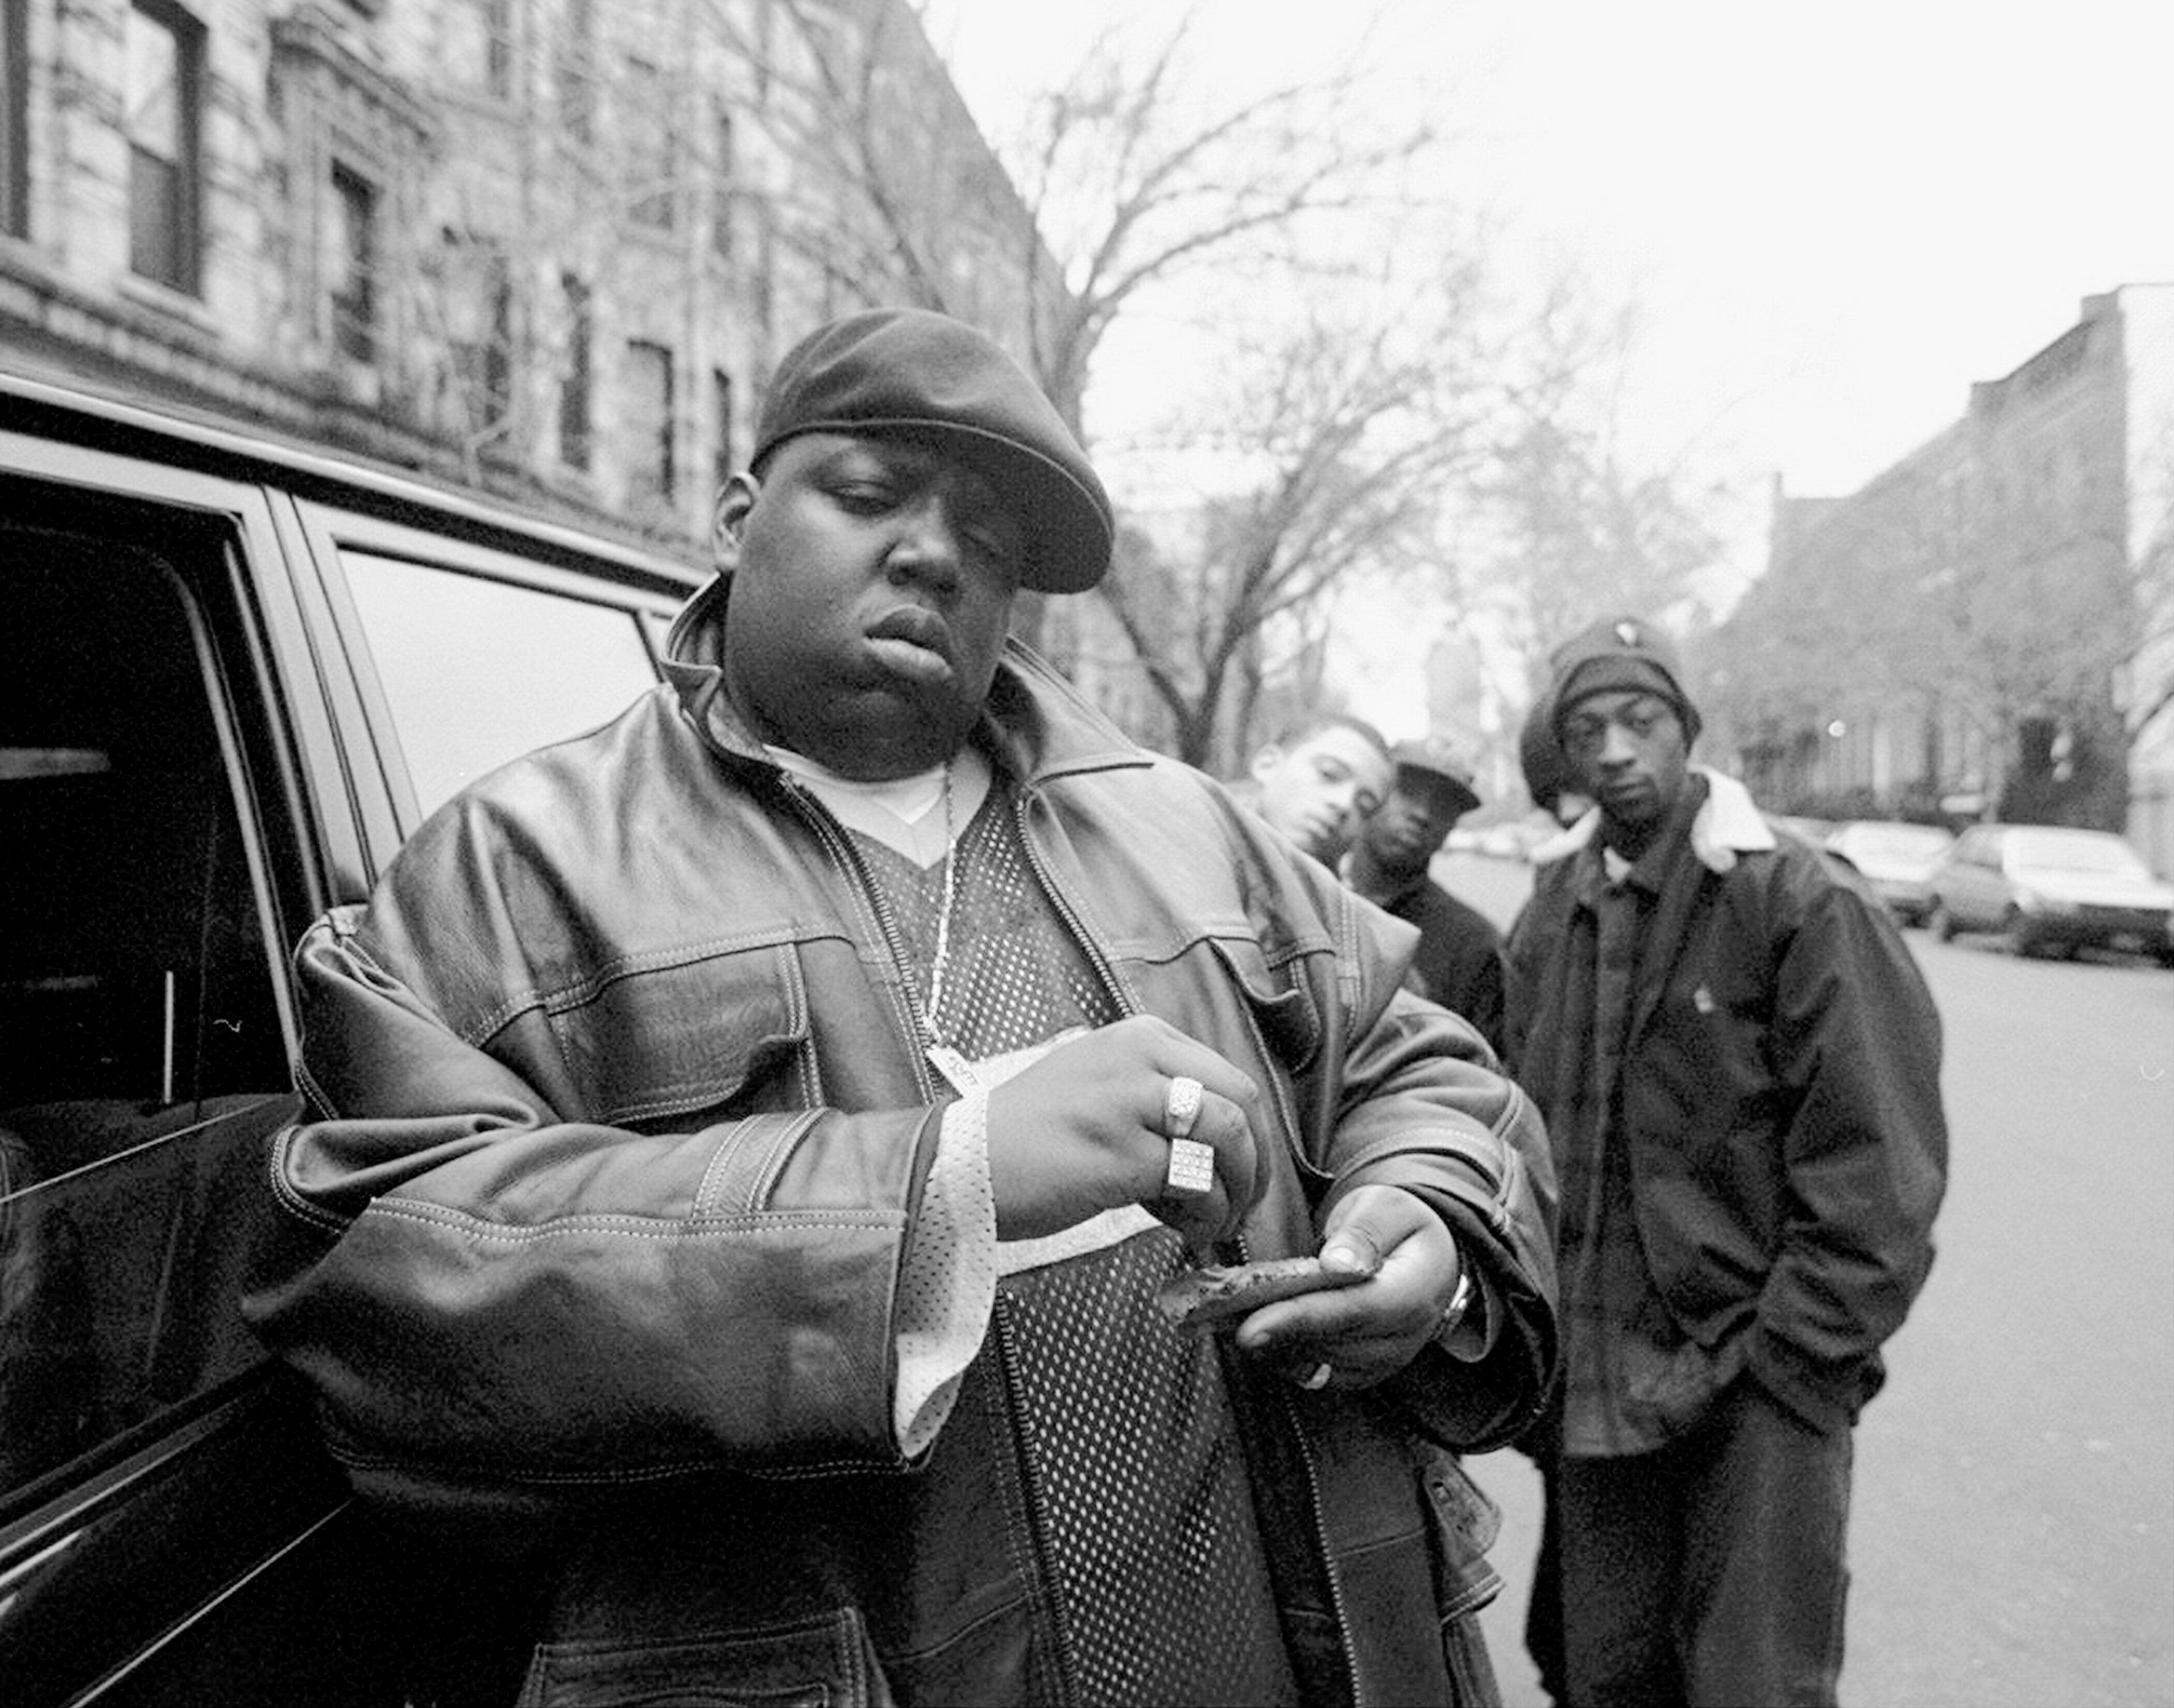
{"x": 165, "y": 300}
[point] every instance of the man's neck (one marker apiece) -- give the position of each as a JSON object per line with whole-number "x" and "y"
{"x": 1634, "y": 841}
{"x": 1375, "y": 881}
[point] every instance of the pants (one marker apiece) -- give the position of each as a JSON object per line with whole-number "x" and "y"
{"x": 1709, "y": 1574}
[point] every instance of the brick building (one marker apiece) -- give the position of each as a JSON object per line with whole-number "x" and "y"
{"x": 546, "y": 246}
{"x": 1987, "y": 626}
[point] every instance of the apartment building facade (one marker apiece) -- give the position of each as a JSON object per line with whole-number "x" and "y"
{"x": 1985, "y": 628}
{"x": 546, "y": 247}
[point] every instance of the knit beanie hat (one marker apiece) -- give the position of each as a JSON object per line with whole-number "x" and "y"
{"x": 1623, "y": 653}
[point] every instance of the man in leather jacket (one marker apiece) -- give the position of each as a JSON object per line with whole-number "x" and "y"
{"x": 746, "y": 1145}
{"x": 1739, "y": 1065}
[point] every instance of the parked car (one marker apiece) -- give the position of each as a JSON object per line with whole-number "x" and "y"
{"x": 1815, "y": 831}
{"x": 233, "y": 678}
{"x": 2052, "y": 890}
{"x": 1896, "y": 859}
{"x": 1513, "y": 839}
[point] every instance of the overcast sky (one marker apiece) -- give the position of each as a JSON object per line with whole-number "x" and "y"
{"x": 1833, "y": 217}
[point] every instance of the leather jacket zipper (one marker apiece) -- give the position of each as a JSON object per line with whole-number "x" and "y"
{"x": 1346, "y": 1643}
{"x": 842, "y": 852}
{"x": 1127, "y": 1004}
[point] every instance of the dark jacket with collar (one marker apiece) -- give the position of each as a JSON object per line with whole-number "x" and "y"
{"x": 1458, "y": 961}
{"x": 619, "y": 1042}
{"x": 1779, "y": 1094}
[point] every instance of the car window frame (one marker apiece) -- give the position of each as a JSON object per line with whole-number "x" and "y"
{"x": 649, "y": 590}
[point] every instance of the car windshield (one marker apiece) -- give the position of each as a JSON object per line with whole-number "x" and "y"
{"x": 2094, "y": 853}
{"x": 1904, "y": 841}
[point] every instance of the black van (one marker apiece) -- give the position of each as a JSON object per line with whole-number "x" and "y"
{"x": 233, "y": 678}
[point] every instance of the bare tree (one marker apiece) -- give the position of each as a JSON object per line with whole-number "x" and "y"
{"x": 1348, "y": 439}
{"x": 1567, "y": 523}
{"x": 1136, "y": 182}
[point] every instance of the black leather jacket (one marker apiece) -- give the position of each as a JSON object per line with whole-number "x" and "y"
{"x": 618, "y": 1044}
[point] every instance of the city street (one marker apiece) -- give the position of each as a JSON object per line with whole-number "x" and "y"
{"x": 2012, "y": 1542}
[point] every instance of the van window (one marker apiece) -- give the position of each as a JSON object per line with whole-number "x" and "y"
{"x": 478, "y": 672}
{"x": 143, "y": 1057}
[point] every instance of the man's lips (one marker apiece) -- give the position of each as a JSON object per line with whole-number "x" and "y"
{"x": 913, "y": 640}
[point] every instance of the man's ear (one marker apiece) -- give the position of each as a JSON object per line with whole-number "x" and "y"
{"x": 735, "y": 499}
{"x": 1266, "y": 761}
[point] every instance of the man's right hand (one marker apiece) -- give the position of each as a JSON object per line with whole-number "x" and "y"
{"x": 1084, "y": 1131}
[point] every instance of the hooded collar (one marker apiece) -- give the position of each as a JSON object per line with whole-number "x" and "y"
{"x": 1728, "y": 824}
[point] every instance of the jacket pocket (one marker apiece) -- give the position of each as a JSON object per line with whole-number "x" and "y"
{"x": 654, "y": 1039}
{"x": 820, "y": 1663}
{"x": 1282, "y": 1009}
{"x": 1465, "y": 1522}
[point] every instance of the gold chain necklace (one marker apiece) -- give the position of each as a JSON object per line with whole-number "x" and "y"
{"x": 944, "y": 1058}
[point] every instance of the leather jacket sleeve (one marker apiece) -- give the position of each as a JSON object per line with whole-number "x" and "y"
{"x": 1413, "y": 1097}
{"x": 514, "y": 1295}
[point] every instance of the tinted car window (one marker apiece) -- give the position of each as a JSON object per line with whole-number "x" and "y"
{"x": 476, "y": 672}
{"x": 142, "y": 1061}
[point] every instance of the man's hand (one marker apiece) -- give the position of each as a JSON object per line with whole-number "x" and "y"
{"x": 1083, "y": 1131}
{"x": 1364, "y": 1334}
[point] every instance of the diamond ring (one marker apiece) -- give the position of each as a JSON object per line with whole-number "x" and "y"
{"x": 1192, "y": 1170}
{"x": 1180, "y": 1106}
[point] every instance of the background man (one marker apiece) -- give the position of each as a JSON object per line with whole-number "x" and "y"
{"x": 1319, "y": 778}
{"x": 1459, "y": 961}
{"x": 1739, "y": 1066}
{"x": 748, "y": 1142}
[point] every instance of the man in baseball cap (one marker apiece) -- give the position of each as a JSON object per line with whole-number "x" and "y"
{"x": 751, "y": 1142}
{"x": 908, "y": 374}
{"x": 1739, "y": 1067}
{"x": 1459, "y": 961}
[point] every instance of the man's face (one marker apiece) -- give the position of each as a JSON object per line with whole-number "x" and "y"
{"x": 1630, "y": 755}
{"x": 872, "y": 585}
{"x": 1406, "y": 831}
{"x": 1316, "y": 790}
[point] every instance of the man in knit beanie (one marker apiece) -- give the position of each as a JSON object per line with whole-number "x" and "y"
{"x": 1740, "y": 1068}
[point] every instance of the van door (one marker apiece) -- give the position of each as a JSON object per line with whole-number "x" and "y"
{"x": 169, "y": 1531}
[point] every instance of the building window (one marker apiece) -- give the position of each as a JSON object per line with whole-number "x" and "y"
{"x": 720, "y": 185}
{"x": 479, "y": 309}
{"x": 160, "y": 112}
{"x": 651, "y": 475}
{"x": 653, "y": 155}
{"x": 14, "y": 120}
{"x": 721, "y": 390}
{"x": 498, "y": 47}
{"x": 574, "y": 382}
{"x": 478, "y": 47}
{"x": 353, "y": 265}
{"x": 578, "y": 57}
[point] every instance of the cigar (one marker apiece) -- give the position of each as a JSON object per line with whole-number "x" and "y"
{"x": 1217, "y": 1294}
